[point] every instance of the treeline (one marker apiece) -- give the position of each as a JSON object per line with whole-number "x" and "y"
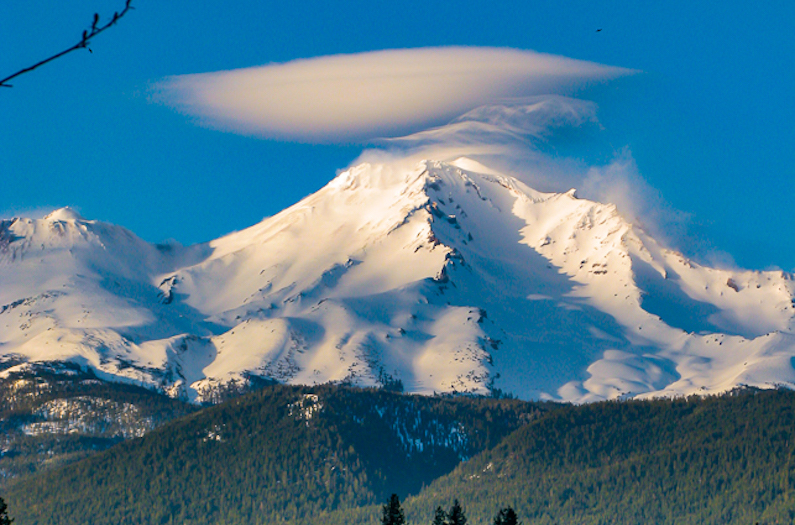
{"x": 392, "y": 514}
{"x": 280, "y": 454}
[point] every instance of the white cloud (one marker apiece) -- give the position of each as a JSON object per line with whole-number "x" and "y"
{"x": 504, "y": 108}
{"x": 358, "y": 97}
{"x": 504, "y": 133}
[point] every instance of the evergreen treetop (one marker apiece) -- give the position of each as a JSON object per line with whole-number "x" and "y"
{"x": 506, "y": 516}
{"x": 393, "y": 514}
{"x": 456, "y": 516}
{"x": 4, "y": 519}
{"x": 440, "y": 516}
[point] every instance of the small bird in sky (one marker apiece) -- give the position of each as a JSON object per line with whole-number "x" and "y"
{"x": 598, "y": 29}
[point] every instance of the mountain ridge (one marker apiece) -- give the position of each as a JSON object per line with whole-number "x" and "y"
{"x": 446, "y": 276}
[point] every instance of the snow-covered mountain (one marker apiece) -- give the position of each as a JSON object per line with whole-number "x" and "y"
{"x": 445, "y": 276}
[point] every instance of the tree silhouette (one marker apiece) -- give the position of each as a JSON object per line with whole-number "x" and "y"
{"x": 88, "y": 34}
{"x": 4, "y": 519}
{"x": 440, "y": 516}
{"x": 506, "y": 516}
{"x": 456, "y": 514}
{"x": 393, "y": 514}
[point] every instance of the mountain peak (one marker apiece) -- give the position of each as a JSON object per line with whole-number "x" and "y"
{"x": 64, "y": 214}
{"x": 445, "y": 276}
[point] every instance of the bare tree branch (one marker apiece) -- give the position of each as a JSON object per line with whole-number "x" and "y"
{"x": 84, "y": 42}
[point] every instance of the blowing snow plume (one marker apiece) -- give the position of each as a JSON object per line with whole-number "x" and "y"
{"x": 524, "y": 139}
{"x": 344, "y": 98}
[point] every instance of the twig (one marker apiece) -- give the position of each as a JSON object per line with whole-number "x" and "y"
{"x": 84, "y": 42}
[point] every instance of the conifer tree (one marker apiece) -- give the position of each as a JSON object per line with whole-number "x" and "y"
{"x": 456, "y": 515}
{"x": 4, "y": 519}
{"x": 393, "y": 514}
{"x": 506, "y": 516}
{"x": 440, "y": 516}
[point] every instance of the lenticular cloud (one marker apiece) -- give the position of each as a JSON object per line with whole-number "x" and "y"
{"x": 358, "y": 97}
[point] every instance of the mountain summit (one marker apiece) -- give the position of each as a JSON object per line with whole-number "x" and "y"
{"x": 444, "y": 277}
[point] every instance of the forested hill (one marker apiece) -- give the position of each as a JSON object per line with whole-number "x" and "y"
{"x": 331, "y": 455}
{"x": 282, "y": 453}
{"x": 718, "y": 460}
{"x": 58, "y": 413}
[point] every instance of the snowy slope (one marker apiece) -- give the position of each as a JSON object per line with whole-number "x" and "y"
{"x": 446, "y": 276}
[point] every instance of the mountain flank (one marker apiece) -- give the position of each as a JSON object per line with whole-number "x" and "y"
{"x": 57, "y": 413}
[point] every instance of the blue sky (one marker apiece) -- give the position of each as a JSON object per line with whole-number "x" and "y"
{"x": 709, "y": 122}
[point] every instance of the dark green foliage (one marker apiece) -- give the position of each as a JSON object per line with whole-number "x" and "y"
{"x": 388, "y": 382}
{"x": 506, "y": 516}
{"x": 31, "y": 440}
{"x": 4, "y": 519}
{"x": 439, "y": 516}
{"x": 260, "y": 459}
{"x": 719, "y": 460}
{"x": 281, "y": 454}
{"x": 392, "y": 513}
{"x": 456, "y": 515}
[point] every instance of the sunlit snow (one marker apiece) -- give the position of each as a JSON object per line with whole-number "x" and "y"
{"x": 446, "y": 276}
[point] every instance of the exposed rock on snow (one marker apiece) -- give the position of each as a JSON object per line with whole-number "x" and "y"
{"x": 447, "y": 277}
